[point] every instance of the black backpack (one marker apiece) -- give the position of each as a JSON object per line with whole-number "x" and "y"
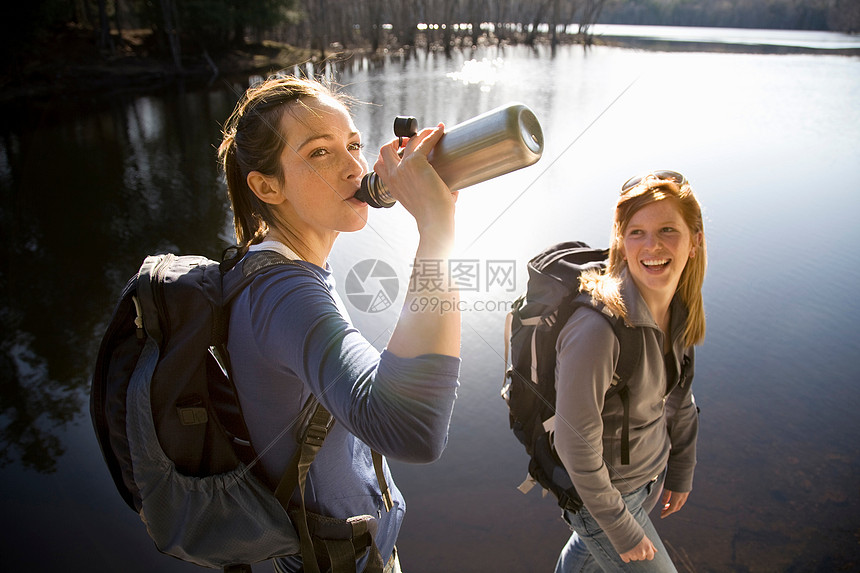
{"x": 531, "y": 330}
{"x": 171, "y": 430}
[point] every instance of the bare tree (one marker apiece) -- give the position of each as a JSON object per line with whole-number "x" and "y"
{"x": 103, "y": 37}
{"x": 475, "y": 9}
{"x": 315, "y": 12}
{"x": 536, "y": 20}
{"x": 170, "y": 18}
{"x": 405, "y": 17}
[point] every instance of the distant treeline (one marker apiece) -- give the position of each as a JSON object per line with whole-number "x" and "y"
{"x": 833, "y": 15}
{"x": 178, "y": 29}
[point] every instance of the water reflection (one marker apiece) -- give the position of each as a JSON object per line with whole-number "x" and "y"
{"x": 89, "y": 188}
{"x": 86, "y": 190}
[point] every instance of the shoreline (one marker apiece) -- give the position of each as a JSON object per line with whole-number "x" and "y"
{"x": 664, "y": 45}
{"x": 80, "y": 73}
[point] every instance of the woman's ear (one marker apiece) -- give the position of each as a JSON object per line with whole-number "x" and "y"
{"x": 697, "y": 243}
{"x": 265, "y": 187}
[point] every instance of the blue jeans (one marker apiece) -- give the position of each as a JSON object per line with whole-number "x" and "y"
{"x": 589, "y": 548}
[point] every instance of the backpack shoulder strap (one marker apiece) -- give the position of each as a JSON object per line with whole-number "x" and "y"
{"x": 317, "y": 420}
{"x": 248, "y": 268}
{"x": 629, "y": 356}
{"x": 318, "y": 423}
{"x": 234, "y": 282}
{"x": 631, "y": 350}
{"x": 628, "y": 338}
{"x": 221, "y": 387}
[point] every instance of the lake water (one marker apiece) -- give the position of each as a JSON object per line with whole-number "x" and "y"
{"x": 770, "y": 144}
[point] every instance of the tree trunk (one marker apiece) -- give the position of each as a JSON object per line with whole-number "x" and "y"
{"x": 117, "y": 20}
{"x": 591, "y": 13}
{"x": 477, "y": 8}
{"x": 171, "y": 31}
{"x": 104, "y": 41}
{"x": 532, "y": 35}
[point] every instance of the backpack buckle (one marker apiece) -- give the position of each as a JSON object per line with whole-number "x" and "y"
{"x": 316, "y": 434}
{"x": 318, "y": 426}
{"x": 192, "y": 411}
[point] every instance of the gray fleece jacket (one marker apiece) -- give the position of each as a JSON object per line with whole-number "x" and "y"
{"x": 663, "y": 415}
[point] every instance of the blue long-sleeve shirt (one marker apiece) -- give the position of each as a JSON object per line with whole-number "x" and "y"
{"x": 290, "y": 336}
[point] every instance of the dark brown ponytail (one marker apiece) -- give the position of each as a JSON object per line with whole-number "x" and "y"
{"x": 252, "y": 141}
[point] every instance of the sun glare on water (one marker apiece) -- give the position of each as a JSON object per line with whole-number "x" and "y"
{"x": 485, "y": 73}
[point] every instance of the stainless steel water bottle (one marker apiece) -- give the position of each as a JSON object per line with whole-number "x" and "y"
{"x": 494, "y": 143}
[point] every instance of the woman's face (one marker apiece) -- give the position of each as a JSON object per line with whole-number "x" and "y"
{"x": 322, "y": 166}
{"x": 656, "y": 245}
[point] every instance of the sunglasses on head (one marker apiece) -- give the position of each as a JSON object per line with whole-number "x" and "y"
{"x": 663, "y": 175}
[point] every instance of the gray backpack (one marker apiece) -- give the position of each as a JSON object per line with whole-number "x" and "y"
{"x": 531, "y": 331}
{"x": 171, "y": 430}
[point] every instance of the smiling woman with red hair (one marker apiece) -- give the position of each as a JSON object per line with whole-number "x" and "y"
{"x": 653, "y": 282}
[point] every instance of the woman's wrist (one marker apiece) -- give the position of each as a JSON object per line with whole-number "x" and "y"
{"x": 436, "y": 237}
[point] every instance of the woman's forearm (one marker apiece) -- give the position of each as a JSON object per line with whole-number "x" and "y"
{"x": 430, "y": 319}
